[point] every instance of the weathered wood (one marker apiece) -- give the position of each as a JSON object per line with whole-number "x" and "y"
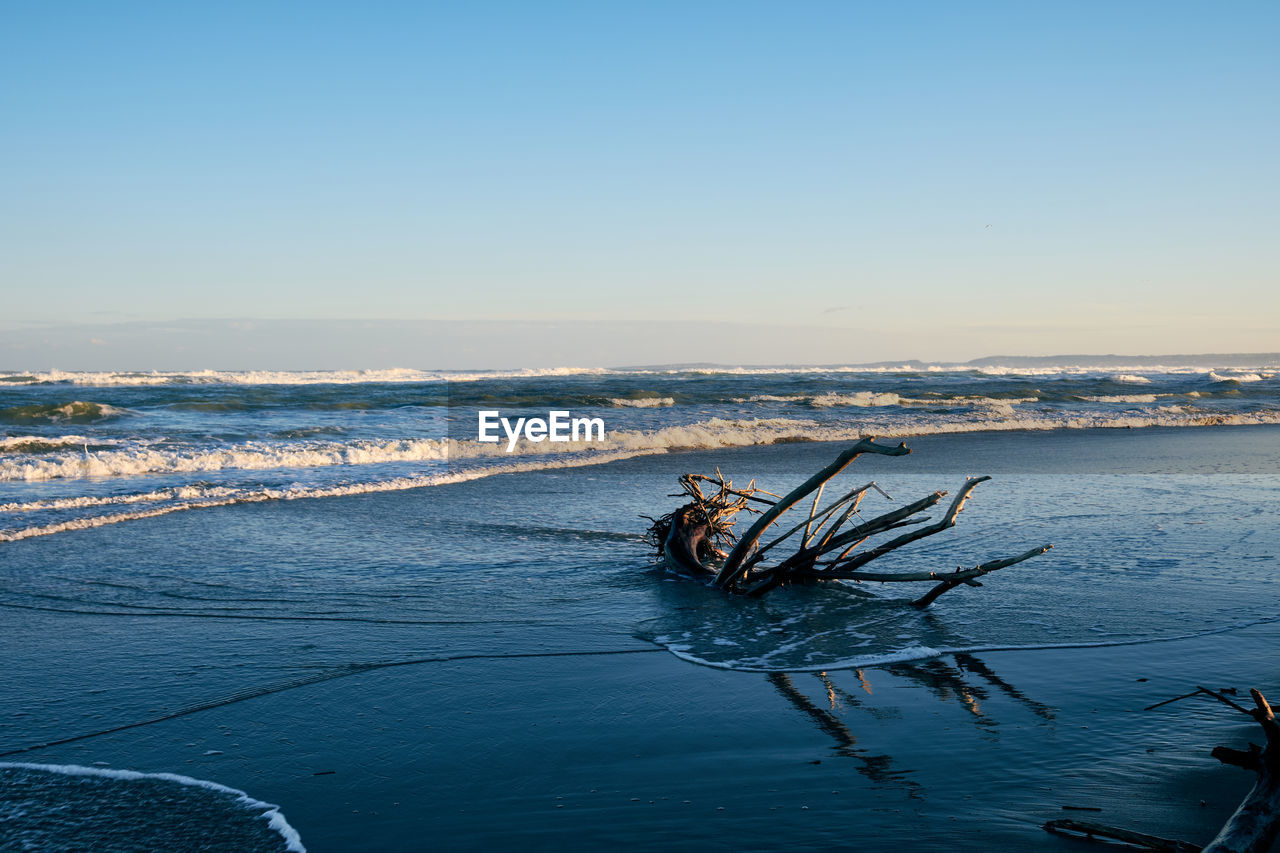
{"x": 879, "y": 524}
{"x": 958, "y": 576}
{"x": 732, "y": 569}
{"x": 1129, "y": 838}
{"x": 858, "y": 495}
{"x": 1254, "y": 826}
{"x": 967, "y": 576}
{"x": 947, "y": 521}
{"x": 855, "y": 496}
{"x": 817, "y": 496}
{"x": 752, "y": 495}
{"x": 686, "y": 538}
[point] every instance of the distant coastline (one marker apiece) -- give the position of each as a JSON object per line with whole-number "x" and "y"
{"x": 1205, "y": 360}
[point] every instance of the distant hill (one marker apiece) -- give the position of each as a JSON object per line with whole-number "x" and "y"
{"x": 1233, "y": 359}
{"x": 1206, "y": 360}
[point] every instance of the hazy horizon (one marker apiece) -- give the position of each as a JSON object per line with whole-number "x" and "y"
{"x": 185, "y": 345}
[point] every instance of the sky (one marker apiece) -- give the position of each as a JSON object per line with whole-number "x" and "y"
{"x": 807, "y": 181}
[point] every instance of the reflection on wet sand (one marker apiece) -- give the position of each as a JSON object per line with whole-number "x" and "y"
{"x": 877, "y": 768}
{"x": 948, "y": 679}
{"x": 972, "y": 664}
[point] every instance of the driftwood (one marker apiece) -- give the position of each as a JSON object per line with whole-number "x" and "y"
{"x": 1256, "y": 822}
{"x": 692, "y": 539}
{"x": 1089, "y": 831}
{"x": 1254, "y": 825}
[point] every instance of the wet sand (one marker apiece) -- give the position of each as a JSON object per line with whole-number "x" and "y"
{"x": 647, "y": 752}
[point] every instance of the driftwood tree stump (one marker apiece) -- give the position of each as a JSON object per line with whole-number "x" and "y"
{"x": 691, "y": 539}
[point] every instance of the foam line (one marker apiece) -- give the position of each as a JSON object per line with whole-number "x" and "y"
{"x": 258, "y": 496}
{"x": 275, "y": 819}
{"x": 709, "y": 434}
{"x": 915, "y": 653}
{"x": 716, "y": 432}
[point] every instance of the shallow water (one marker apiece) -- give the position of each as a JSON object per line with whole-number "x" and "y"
{"x": 155, "y": 625}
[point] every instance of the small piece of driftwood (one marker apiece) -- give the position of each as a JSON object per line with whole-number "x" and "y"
{"x": 1119, "y": 837}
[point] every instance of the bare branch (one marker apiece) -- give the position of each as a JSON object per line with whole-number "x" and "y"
{"x": 967, "y": 576}
{"x": 733, "y": 568}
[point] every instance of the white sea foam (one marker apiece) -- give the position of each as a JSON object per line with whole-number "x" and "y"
{"x": 999, "y": 415}
{"x": 1123, "y": 398}
{"x": 642, "y": 402}
{"x": 772, "y": 398}
{"x": 373, "y": 465}
{"x": 1119, "y": 372}
{"x": 1234, "y": 377}
{"x": 868, "y": 399}
{"x": 271, "y": 813}
{"x": 1004, "y": 404}
{"x": 280, "y": 377}
{"x": 216, "y": 498}
{"x": 857, "y": 399}
{"x": 30, "y": 443}
{"x": 249, "y": 456}
{"x": 194, "y": 492}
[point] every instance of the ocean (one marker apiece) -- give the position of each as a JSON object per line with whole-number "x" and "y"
{"x": 270, "y": 610}
{"x": 84, "y": 449}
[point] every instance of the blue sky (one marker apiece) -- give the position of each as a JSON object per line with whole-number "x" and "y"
{"x": 932, "y": 180}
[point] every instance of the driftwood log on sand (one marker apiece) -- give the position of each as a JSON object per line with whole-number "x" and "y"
{"x": 1254, "y": 825}
{"x": 692, "y": 539}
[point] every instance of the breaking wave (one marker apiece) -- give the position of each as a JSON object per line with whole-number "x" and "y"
{"x": 249, "y": 456}
{"x": 180, "y": 500}
{"x": 77, "y": 412}
{"x": 1238, "y": 377}
{"x": 280, "y": 377}
{"x": 641, "y": 402}
{"x": 860, "y": 399}
{"x": 206, "y": 438}
{"x": 1123, "y": 398}
{"x": 47, "y": 444}
{"x": 709, "y": 434}
{"x": 1120, "y": 371}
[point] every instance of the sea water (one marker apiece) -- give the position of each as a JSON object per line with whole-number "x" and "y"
{"x": 180, "y": 543}
{"x": 84, "y": 449}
